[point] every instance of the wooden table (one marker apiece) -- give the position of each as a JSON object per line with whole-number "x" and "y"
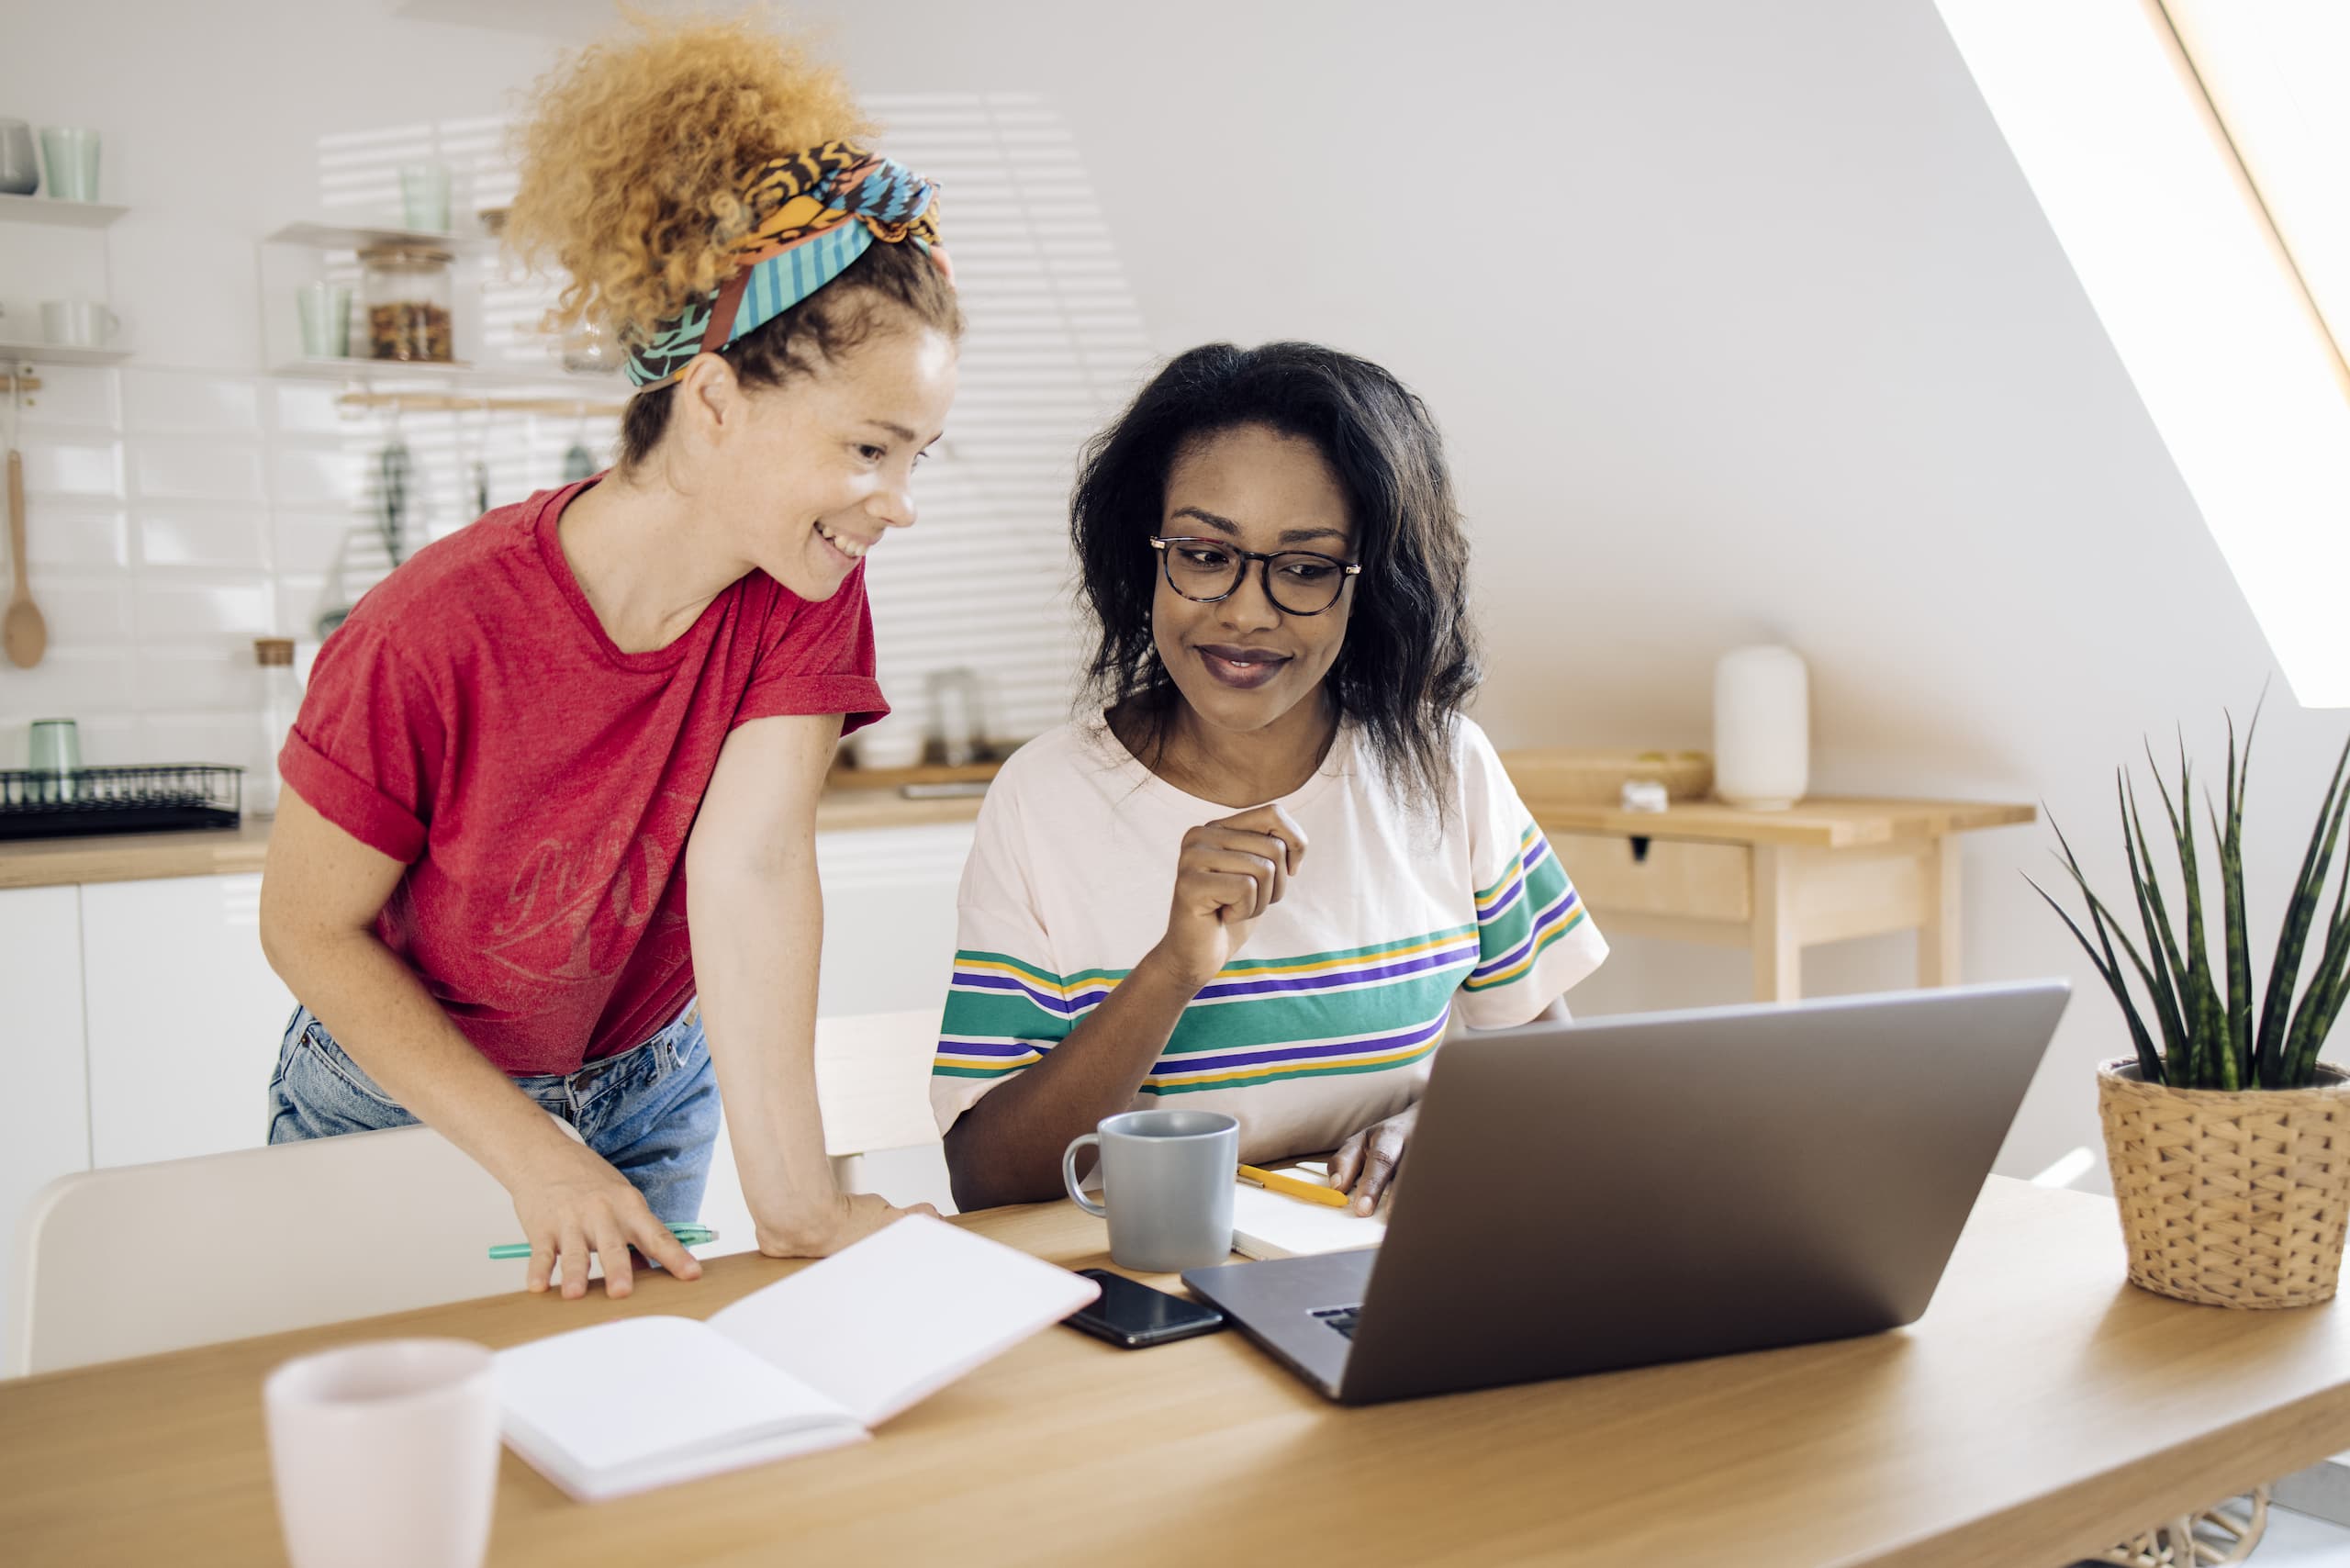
{"x": 2041, "y": 1408}
{"x": 1772, "y": 882}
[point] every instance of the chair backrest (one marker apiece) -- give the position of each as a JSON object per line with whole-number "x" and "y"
{"x": 143, "y": 1259}
{"x": 873, "y": 1080}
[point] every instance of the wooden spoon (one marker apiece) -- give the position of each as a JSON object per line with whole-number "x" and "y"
{"x": 22, "y": 631}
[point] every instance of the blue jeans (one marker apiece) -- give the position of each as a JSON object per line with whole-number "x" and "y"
{"x": 651, "y": 1110}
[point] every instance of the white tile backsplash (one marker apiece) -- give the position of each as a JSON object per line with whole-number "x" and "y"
{"x": 212, "y": 470}
{"x": 315, "y": 476}
{"x": 83, "y": 610}
{"x": 67, "y": 683}
{"x": 75, "y": 533}
{"x": 160, "y": 400}
{"x": 233, "y": 536}
{"x": 216, "y": 677}
{"x": 69, "y": 395}
{"x": 174, "y": 611}
{"x": 304, "y": 543}
{"x": 175, "y": 515}
{"x": 231, "y": 738}
{"x": 71, "y": 467}
{"x": 309, "y": 408}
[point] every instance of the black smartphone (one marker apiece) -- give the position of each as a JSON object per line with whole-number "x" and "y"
{"x": 1132, "y": 1316}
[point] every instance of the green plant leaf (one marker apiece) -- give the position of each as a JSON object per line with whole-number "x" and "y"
{"x": 2162, "y": 949}
{"x": 2285, "y": 971}
{"x": 2198, "y": 997}
{"x": 2322, "y": 1003}
{"x": 2237, "y": 943}
{"x": 2150, "y": 1066}
{"x": 2109, "y": 931}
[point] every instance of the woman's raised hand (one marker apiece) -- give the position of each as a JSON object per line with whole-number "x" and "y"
{"x": 1230, "y": 872}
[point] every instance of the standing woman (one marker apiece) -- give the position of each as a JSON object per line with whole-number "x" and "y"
{"x": 548, "y": 840}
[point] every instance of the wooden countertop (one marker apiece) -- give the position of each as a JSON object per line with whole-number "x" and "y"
{"x": 136, "y": 856}
{"x": 2039, "y": 1410}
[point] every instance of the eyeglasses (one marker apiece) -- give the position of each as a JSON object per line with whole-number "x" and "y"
{"x": 1206, "y": 570}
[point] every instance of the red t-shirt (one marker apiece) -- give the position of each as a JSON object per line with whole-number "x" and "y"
{"x": 472, "y": 718}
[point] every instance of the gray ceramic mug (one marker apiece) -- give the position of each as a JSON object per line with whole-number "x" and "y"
{"x": 1166, "y": 1187}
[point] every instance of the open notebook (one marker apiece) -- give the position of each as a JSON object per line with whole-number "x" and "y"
{"x": 1268, "y": 1225}
{"x": 809, "y": 1362}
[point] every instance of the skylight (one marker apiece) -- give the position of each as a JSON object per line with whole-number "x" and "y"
{"x": 2210, "y": 313}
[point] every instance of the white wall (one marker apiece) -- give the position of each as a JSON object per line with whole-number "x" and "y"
{"x": 1740, "y": 321}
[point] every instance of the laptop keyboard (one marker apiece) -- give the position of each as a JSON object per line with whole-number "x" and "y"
{"x": 1341, "y": 1318}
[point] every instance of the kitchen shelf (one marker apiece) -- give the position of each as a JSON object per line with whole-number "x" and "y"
{"x": 352, "y": 368}
{"x": 452, "y": 371}
{"x": 58, "y": 353}
{"x": 364, "y": 236}
{"x": 58, "y": 214}
{"x": 845, "y": 775}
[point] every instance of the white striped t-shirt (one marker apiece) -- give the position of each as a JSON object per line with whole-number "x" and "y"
{"x": 1327, "y": 1019}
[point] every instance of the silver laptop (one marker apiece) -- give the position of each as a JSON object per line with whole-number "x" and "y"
{"x": 1584, "y": 1197}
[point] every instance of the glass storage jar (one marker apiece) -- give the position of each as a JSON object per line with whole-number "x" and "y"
{"x": 408, "y": 293}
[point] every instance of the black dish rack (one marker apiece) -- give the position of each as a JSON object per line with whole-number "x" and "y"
{"x": 158, "y": 798}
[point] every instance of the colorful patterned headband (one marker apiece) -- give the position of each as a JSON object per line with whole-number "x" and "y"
{"x": 802, "y": 238}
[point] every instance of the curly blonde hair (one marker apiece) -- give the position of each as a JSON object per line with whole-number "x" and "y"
{"x": 635, "y": 152}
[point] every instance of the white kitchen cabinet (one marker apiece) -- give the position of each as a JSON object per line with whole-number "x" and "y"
{"x": 183, "y": 1017}
{"x": 45, "y": 1111}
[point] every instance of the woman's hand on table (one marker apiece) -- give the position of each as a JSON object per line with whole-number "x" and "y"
{"x": 1230, "y": 871}
{"x": 574, "y": 1207}
{"x": 857, "y": 1215}
{"x": 1365, "y": 1164}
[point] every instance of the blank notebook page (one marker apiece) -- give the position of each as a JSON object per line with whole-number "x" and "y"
{"x": 902, "y": 1313}
{"x": 1270, "y": 1225}
{"x": 633, "y": 1391}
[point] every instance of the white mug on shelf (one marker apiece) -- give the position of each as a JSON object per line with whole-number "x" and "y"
{"x": 1761, "y": 728}
{"x": 77, "y": 323}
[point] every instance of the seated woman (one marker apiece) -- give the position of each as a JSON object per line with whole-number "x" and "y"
{"x": 1268, "y": 872}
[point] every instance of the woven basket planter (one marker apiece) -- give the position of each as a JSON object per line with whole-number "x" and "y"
{"x": 2231, "y": 1199}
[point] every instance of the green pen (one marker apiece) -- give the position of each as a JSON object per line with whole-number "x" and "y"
{"x": 690, "y": 1235}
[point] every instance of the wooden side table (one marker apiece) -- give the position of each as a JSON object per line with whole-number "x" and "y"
{"x": 1772, "y": 882}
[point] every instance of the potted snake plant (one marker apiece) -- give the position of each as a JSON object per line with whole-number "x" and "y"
{"x": 2227, "y": 1138}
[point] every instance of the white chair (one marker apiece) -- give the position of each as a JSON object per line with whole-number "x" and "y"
{"x": 142, "y": 1259}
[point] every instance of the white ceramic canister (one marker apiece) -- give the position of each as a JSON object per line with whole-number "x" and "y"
{"x": 1761, "y": 728}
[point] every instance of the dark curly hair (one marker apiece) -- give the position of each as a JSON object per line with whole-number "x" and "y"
{"x": 1409, "y": 662}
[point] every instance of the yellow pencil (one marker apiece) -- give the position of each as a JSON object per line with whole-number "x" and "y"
{"x": 1291, "y": 1187}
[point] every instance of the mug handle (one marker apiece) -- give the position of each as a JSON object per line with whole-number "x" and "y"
{"x": 1069, "y": 1174}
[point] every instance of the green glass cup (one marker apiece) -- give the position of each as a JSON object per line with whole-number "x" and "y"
{"x": 55, "y": 752}
{"x": 72, "y": 154}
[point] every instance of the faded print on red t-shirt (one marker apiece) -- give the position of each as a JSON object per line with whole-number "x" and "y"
{"x": 472, "y": 718}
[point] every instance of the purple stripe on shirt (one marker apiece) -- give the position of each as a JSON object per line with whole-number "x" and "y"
{"x": 991, "y": 1047}
{"x": 1187, "y": 1064}
{"x": 1542, "y": 921}
{"x": 1421, "y": 964}
{"x": 987, "y": 981}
